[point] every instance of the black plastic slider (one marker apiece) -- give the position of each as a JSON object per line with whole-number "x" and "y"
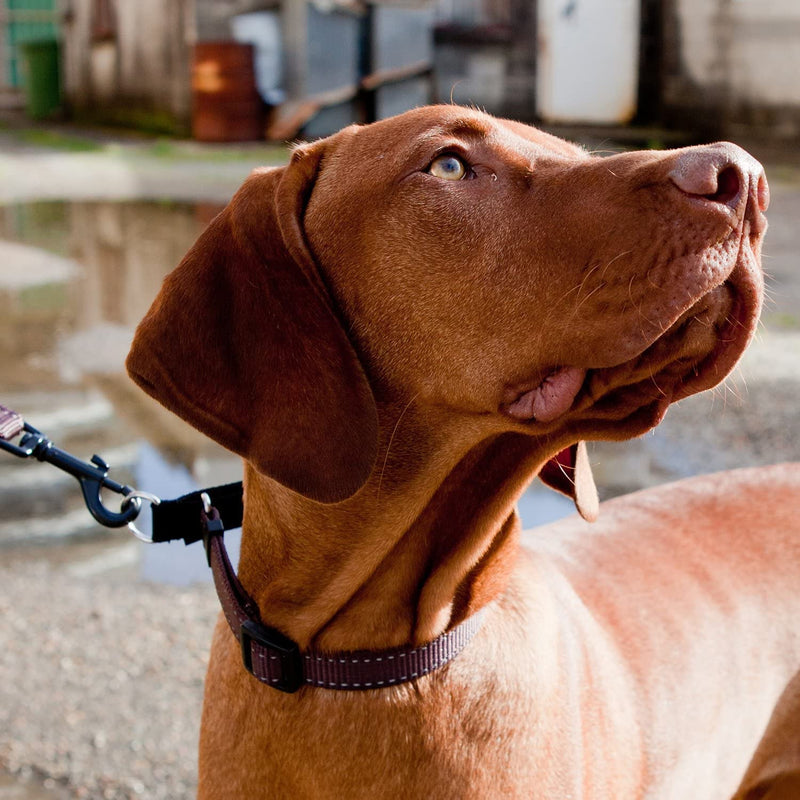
{"x": 278, "y": 646}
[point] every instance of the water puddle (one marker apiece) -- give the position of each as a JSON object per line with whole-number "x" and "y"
{"x": 75, "y": 279}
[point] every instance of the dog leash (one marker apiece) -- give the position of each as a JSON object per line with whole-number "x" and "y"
{"x": 267, "y": 654}
{"x": 93, "y": 476}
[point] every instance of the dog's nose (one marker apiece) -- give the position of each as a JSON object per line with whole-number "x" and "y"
{"x": 722, "y": 173}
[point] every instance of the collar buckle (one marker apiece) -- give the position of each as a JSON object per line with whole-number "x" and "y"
{"x": 278, "y": 661}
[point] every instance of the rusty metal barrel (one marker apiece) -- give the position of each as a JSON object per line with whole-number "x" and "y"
{"x": 226, "y": 106}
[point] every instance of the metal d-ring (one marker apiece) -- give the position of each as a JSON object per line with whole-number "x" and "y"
{"x": 152, "y": 499}
{"x": 206, "y": 502}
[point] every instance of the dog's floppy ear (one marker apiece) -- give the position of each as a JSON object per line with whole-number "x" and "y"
{"x": 242, "y": 343}
{"x": 570, "y": 473}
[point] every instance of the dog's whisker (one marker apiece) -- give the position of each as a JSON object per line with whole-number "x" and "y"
{"x": 616, "y": 258}
{"x": 651, "y": 282}
{"x": 640, "y": 313}
{"x": 583, "y": 283}
{"x": 588, "y": 275}
{"x": 706, "y": 323}
{"x": 453, "y": 89}
{"x": 730, "y": 389}
{"x": 596, "y": 289}
{"x": 389, "y": 446}
{"x": 553, "y": 310}
{"x": 653, "y": 380}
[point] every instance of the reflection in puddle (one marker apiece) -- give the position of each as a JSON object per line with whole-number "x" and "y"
{"x": 75, "y": 279}
{"x": 120, "y": 252}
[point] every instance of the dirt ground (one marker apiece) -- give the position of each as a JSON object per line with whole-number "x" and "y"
{"x": 101, "y": 677}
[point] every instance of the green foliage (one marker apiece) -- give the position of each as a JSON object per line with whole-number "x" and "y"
{"x": 55, "y": 140}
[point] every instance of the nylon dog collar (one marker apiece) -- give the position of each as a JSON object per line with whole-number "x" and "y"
{"x": 269, "y": 655}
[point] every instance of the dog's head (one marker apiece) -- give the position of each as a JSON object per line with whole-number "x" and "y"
{"x": 465, "y": 263}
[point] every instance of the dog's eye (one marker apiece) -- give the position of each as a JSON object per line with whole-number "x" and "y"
{"x": 448, "y": 167}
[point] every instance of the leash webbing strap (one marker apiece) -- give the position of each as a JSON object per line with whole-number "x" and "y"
{"x": 11, "y": 423}
{"x": 180, "y": 518}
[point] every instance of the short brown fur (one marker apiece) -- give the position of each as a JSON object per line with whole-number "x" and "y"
{"x": 359, "y": 329}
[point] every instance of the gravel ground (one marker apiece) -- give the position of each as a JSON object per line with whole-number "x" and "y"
{"x": 101, "y": 678}
{"x": 101, "y": 683}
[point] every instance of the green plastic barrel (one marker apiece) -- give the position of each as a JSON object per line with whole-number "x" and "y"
{"x": 42, "y": 89}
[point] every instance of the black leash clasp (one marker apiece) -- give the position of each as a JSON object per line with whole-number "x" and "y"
{"x": 93, "y": 477}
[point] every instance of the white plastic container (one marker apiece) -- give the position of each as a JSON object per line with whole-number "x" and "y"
{"x": 588, "y": 60}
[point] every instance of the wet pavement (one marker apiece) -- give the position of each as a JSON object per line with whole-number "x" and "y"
{"x": 85, "y": 240}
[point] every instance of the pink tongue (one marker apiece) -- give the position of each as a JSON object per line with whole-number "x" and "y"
{"x": 551, "y": 398}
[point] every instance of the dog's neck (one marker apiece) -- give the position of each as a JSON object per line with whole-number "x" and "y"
{"x": 430, "y": 539}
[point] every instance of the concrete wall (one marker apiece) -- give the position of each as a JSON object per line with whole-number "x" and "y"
{"x": 137, "y": 72}
{"x": 485, "y": 55}
{"x": 213, "y": 16}
{"x": 736, "y": 61}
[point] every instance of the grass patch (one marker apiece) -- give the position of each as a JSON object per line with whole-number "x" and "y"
{"x": 162, "y": 148}
{"x": 133, "y": 119}
{"x": 183, "y": 150}
{"x": 54, "y": 140}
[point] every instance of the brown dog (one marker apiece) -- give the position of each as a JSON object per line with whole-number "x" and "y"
{"x": 397, "y": 331}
